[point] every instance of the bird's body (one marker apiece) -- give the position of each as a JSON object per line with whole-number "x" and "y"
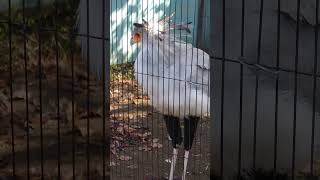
{"x": 175, "y": 75}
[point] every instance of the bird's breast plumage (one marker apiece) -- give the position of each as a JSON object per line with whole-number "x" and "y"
{"x": 175, "y": 78}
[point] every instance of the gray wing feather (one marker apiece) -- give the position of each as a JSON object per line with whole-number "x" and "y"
{"x": 95, "y": 42}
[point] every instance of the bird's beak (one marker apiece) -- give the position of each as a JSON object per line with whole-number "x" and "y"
{"x": 132, "y": 41}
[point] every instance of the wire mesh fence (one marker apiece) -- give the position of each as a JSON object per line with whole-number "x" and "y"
{"x": 95, "y": 89}
{"x": 140, "y": 147}
{"x": 55, "y": 111}
{"x": 52, "y": 126}
{"x": 265, "y": 84}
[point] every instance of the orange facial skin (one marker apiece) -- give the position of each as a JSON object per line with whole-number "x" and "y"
{"x": 136, "y": 37}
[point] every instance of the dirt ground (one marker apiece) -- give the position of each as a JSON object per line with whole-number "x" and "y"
{"x": 139, "y": 145}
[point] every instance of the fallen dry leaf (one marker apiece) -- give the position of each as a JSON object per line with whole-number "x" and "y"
{"x": 157, "y": 145}
{"x": 19, "y": 94}
{"x": 4, "y": 103}
{"x": 125, "y": 158}
{"x": 69, "y": 111}
{"x": 36, "y": 120}
{"x": 112, "y": 163}
{"x": 141, "y": 101}
{"x": 145, "y": 148}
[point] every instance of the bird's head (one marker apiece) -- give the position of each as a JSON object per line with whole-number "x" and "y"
{"x": 138, "y": 30}
{"x": 156, "y": 29}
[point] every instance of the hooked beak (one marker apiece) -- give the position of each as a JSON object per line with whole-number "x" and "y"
{"x": 132, "y": 41}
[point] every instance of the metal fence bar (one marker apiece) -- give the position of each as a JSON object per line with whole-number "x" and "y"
{"x": 26, "y": 88}
{"x": 212, "y": 160}
{"x": 275, "y": 146}
{"x": 72, "y": 49}
{"x": 261, "y": 67}
{"x": 293, "y": 165}
{"x": 241, "y": 90}
{"x": 162, "y": 139}
{"x": 88, "y": 94}
{"x": 39, "y": 23}
{"x": 257, "y": 85}
{"x": 104, "y": 88}
{"x": 222, "y": 88}
{"x": 137, "y": 93}
{"x": 312, "y": 159}
{"x": 11, "y": 92}
{"x": 121, "y": 89}
{"x": 29, "y": 29}
{"x": 58, "y": 90}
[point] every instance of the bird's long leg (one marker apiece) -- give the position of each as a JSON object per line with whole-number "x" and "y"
{"x": 185, "y": 164}
{"x": 173, "y": 163}
{"x": 174, "y": 131}
{"x": 190, "y": 128}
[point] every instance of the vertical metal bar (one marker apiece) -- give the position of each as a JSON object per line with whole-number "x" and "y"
{"x": 137, "y": 95}
{"x": 107, "y": 29}
{"x": 143, "y": 74}
{"x": 112, "y": 169}
{"x": 275, "y": 154}
{"x": 11, "y": 91}
{"x": 147, "y": 71}
{"x": 158, "y": 90}
{"x": 26, "y": 86}
{"x": 174, "y": 66}
{"x": 192, "y": 69}
{"x": 128, "y": 87}
{"x": 295, "y": 92}
{"x": 104, "y": 147}
{"x": 72, "y": 103}
{"x": 88, "y": 93}
{"x": 58, "y": 86}
{"x": 169, "y": 71}
{"x": 164, "y": 78}
{"x": 111, "y": 96}
{"x": 222, "y": 86}
{"x": 197, "y": 77}
{"x": 203, "y": 28}
{"x": 40, "y": 87}
{"x": 152, "y": 85}
{"x": 186, "y": 60}
{"x": 117, "y": 80}
{"x": 72, "y": 51}
{"x": 241, "y": 89}
{"x": 212, "y": 158}
{"x": 257, "y": 87}
{"x": 114, "y": 79}
{"x": 315, "y": 70}
{"x": 122, "y": 82}
{"x": 201, "y": 11}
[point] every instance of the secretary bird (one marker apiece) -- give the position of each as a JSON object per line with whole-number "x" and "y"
{"x": 176, "y": 77}
{"x": 173, "y": 73}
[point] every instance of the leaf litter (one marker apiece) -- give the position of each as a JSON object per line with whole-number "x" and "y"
{"x": 128, "y": 108}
